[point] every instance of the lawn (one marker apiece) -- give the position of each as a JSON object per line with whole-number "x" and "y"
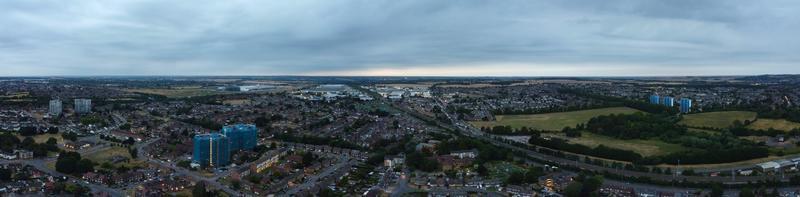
{"x": 718, "y": 120}
{"x": 643, "y": 147}
{"x": 552, "y": 121}
{"x": 777, "y": 124}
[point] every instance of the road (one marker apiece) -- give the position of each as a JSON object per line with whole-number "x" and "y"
{"x": 311, "y": 181}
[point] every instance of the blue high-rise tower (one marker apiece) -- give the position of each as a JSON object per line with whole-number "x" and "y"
{"x": 242, "y": 136}
{"x": 669, "y": 101}
{"x": 686, "y": 105}
{"x": 211, "y": 149}
{"x": 655, "y": 99}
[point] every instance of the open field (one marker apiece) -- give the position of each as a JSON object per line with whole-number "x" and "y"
{"x": 44, "y": 137}
{"x": 716, "y": 119}
{"x": 107, "y": 155}
{"x": 777, "y": 124}
{"x": 643, "y": 147}
{"x": 552, "y": 121}
{"x": 177, "y": 92}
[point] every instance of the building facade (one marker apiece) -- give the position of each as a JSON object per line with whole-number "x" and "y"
{"x": 655, "y": 99}
{"x": 211, "y": 150}
{"x": 686, "y": 105}
{"x": 83, "y": 106}
{"x": 55, "y": 107}
{"x": 241, "y": 136}
{"x": 669, "y": 101}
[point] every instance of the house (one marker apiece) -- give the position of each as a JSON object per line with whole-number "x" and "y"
{"x": 8, "y": 156}
{"x": 239, "y": 173}
{"x": 394, "y": 161}
{"x": 521, "y": 191}
{"x": 268, "y": 160}
{"x": 465, "y": 154}
{"x": 123, "y": 135}
{"x": 77, "y": 145}
{"x": 24, "y": 154}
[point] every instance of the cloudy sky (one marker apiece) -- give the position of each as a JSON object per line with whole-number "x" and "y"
{"x": 408, "y": 37}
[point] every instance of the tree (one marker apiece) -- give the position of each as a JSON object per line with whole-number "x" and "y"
{"x": 52, "y": 141}
{"x": 515, "y": 178}
{"x": 199, "y": 190}
{"x": 482, "y": 170}
{"x": 574, "y": 189}
{"x": 5, "y": 174}
{"x": 716, "y": 190}
{"x": 134, "y": 152}
{"x": 591, "y": 185}
{"x": 533, "y": 174}
{"x": 746, "y": 192}
{"x": 28, "y": 142}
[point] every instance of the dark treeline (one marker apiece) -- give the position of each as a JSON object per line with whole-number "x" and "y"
{"x": 634, "y": 126}
{"x": 599, "y": 151}
{"x": 512, "y": 111}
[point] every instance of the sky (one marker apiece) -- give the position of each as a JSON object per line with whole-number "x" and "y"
{"x": 400, "y": 38}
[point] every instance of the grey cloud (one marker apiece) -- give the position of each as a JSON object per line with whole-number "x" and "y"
{"x": 306, "y": 36}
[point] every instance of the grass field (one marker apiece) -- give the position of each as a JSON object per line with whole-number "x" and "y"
{"x": 552, "y": 121}
{"x": 777, "y": 124}
{"x": 177, "y": 92}
{"x": 643, "y": 147}
{"x": 44, "y": 137}
{"x": 716, "y": 119}
{"x": 106, "y": 155}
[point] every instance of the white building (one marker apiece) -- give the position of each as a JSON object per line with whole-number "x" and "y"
{"x": 83, "y": 106}
{"x": 55, "y": 107}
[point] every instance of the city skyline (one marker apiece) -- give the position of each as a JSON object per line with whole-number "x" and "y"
{"x": 409, "y": 38}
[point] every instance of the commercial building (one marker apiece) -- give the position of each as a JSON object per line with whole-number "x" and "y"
{"x": 55, "y": 107}
{"x": 211, "y": 150}
{"x": 83, "y": 106}
{"x": 655, "y": 99}
{"x": 241, "y": 136}
{"x": 669, "y": 101}
{"x": 686, "y": 105}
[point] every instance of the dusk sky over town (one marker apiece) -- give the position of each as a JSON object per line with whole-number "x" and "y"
{"x": 404, "y": 38}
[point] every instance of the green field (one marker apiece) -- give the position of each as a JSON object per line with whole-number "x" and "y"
{"x": 643, "y": 147}
{"x": 107, "y": 154}
{"x": 718, "y": 120}
{"x": 552, "y": 121}
{"x": 177, "y": 92}
{"x": 777, "y": 124}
